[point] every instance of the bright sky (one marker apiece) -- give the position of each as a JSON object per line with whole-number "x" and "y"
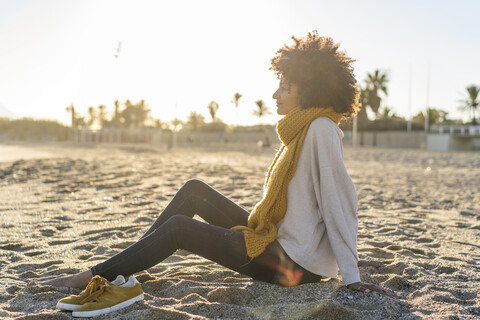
{"x": 180, "y": 55}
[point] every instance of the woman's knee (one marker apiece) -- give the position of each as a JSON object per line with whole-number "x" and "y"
{"x": 182, "y": 230}
{"x": 177, "y": 221}
{"x": 194, "y": 186}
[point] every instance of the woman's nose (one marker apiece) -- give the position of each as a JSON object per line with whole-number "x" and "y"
{"x": 275, "y": 95}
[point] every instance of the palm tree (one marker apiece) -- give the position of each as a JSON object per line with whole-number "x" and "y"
{"x": 376, "y": 83}
{"x": 212, "y": 109}
{"x": 135, "y": 114}
{"x": 92, "y": 117}
{"x": 236, "y": 99}
{"x": 195, "y": 120}
{"x": 116, "y": 115}
{"x": 262, "y": 109}
{"x": 102, "y": 115}
{"x": 472, "y": 102}
{"x": 71, "y": 109}
{"x": 176, "y": 124}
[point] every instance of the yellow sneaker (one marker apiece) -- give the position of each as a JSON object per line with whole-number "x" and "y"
{"x": 74, "y": 301}
{"x": 110, "y": 298}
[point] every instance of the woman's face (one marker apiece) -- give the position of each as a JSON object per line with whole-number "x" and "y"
{"x": 287, "y": 97}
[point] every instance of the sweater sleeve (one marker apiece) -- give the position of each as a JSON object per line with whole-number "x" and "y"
{"x": 337, "y": 199}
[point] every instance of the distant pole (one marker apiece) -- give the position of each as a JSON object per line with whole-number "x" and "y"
{"x": 409, "y": 123}
{"x": 72, "y": 123}
{"x": 427, "y": 120}
{"x": 355, "y": 130}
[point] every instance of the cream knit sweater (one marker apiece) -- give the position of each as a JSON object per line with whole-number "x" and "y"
{"x": 319, "y": 230}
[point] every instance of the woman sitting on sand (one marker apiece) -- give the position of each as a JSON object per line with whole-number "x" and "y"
{"x": 305, "y": 226}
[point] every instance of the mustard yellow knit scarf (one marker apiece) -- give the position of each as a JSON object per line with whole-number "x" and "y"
{"x": 291, "y": 130}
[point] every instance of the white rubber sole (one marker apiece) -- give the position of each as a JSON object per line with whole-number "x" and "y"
{"x": 67, "y": 306}
{"x": 116, "y": 307}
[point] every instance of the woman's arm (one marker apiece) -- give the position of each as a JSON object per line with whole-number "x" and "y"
{"x": 337, "y": 202}
{"x": 336, "y": 197}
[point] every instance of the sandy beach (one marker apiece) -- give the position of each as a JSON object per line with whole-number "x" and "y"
{"x": 64, "y": 209}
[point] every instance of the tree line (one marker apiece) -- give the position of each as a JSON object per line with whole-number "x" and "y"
{"x": 130, "y": 115}
{"x": 374, "y": 92}
{"x": 137, "y": 115}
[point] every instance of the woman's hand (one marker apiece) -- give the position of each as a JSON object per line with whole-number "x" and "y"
{"x": 367, "y": 287}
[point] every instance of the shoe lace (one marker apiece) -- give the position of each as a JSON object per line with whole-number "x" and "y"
{"x": 95, "y": 288}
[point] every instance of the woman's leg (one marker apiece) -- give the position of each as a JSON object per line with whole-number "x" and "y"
{"x": 197, "y": 197}
{"x": 215, "y": 243}
{"x": 224, "y": 246}
{"x": 194, "y": 197}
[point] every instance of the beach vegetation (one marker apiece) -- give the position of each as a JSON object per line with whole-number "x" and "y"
{"x": 28, "y": 129}
{"x": 215, "y": 126}
{"x": 261, "y": 110}
{"x": 371, "y": 96}
{"x": 435, "y": 117}
{"x": 135, "y": 114}
{"x": 195, "y": 121}
{"x": 212, "y": 109}
{"x": 375, "y": 90}
{"x": 236, "y": 99}
{"x": 92, "y": 117}
{"x": 102, "y": 115}
{"x": 176, "y": 124}
{"x": 472, "y": 102}
{"x": 117, "y": 117}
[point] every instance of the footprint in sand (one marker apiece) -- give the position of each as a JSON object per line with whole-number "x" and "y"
{"x": 413, "y": 221}
{"x": 48, "y": 232}
{"x": 379, "y": 244}
{"x": 143, "y": 219}
{"x": 450, "y": 258}
{"x": 396, "y": 268}
{"x": 19, "y": 247}
{"x": 398, "y": 283}
{"x": 463, "y": 294}
{"x": 60, "y": 228}
{"x": 445, "y": 269}
{"x": 87, "y": 247}
{"x": 13, "y": 289}
{"x": 377, "y": 253}
{"x": 389, "y": 231}
{"x": 28, "y": 275}
{"x": 449, "y": 298}
{"x": 63, "y": 218}
{"x": 51, "y": 199}
{"x": 102, "y": 235}
{"x": 85, "y": 256}
{"x": 122, "y": 245}
{"x": 423, "y": 240}
{"x": 230, "y": 295}
{"x": 34, "y": 253}
{"x": 95, "y": 209}
{"x": 36, "y": 266}
{"x": 60, "y": 242}
{"x": 399, "y": 248}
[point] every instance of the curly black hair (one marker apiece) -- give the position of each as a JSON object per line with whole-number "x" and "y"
{"x": 324, "y": 75}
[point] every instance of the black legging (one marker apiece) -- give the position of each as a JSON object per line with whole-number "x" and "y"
{"x": 175, "y": 229}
